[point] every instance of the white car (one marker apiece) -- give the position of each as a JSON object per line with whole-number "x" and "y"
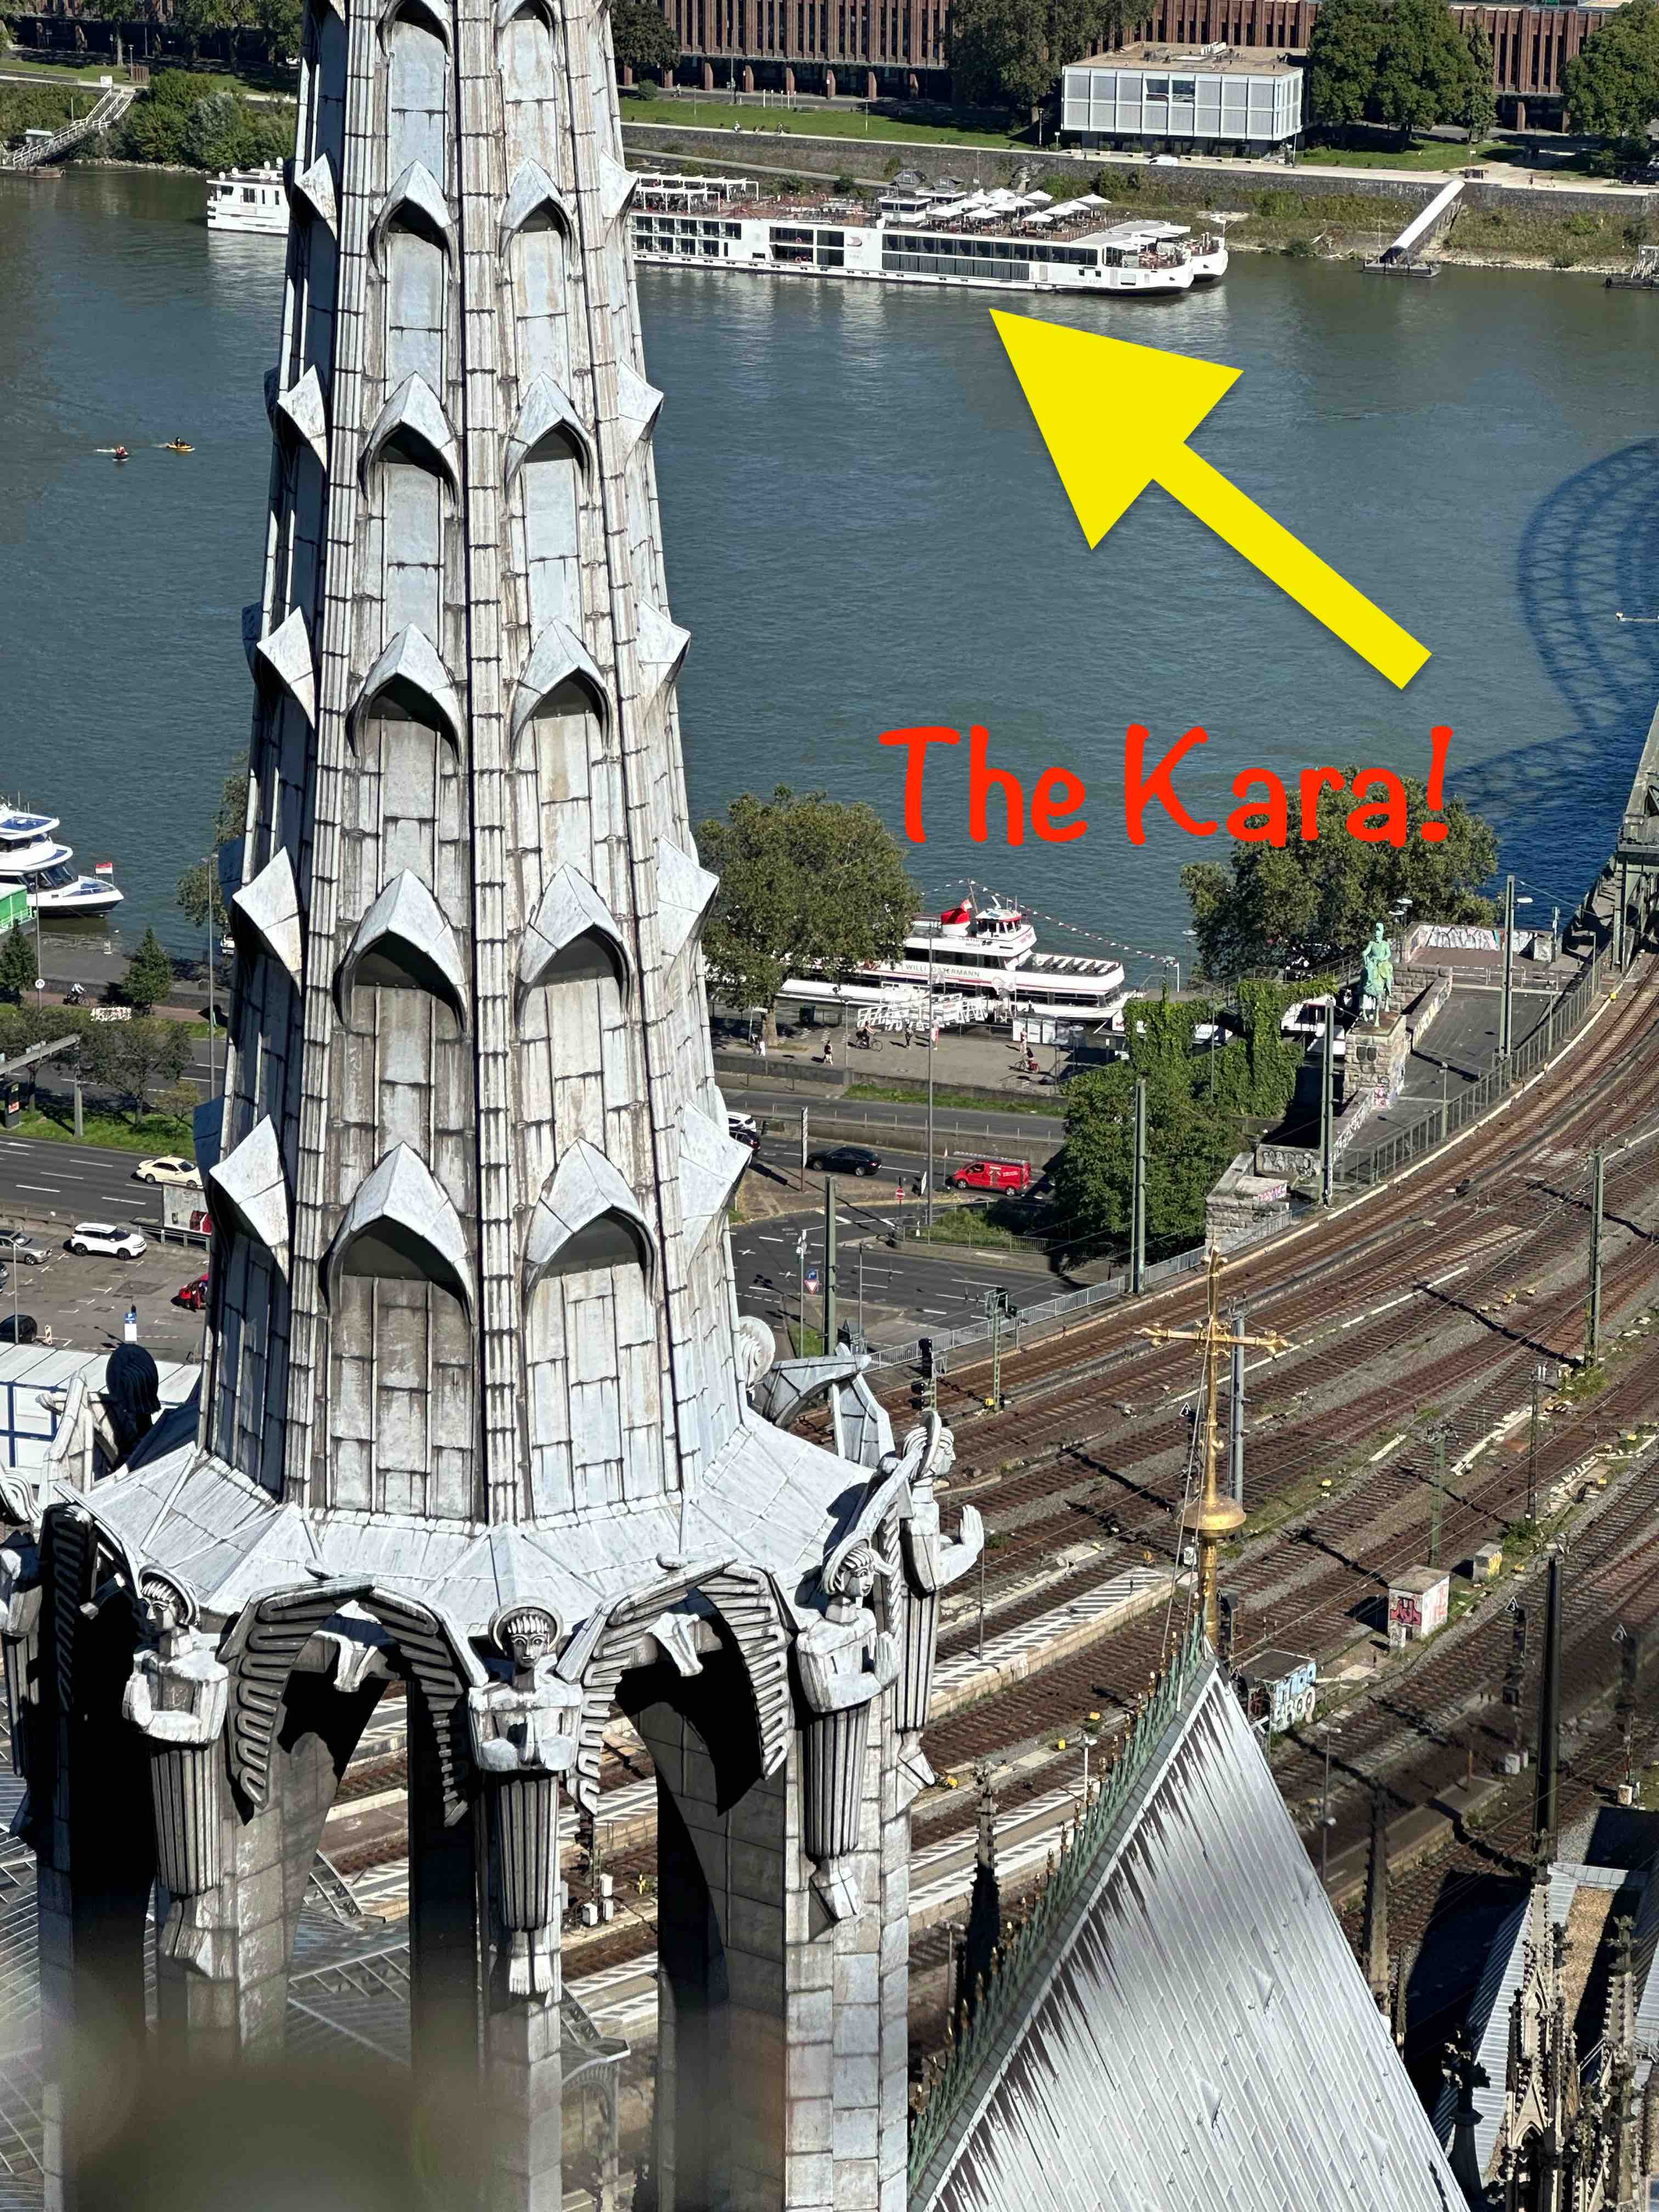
{"x": 172, "y": 1168}
{"x": 107, "y": 1237}
{"x": 745, "y": 1129}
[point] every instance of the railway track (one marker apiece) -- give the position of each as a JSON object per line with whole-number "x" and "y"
{"x": 1064, "y": 1461}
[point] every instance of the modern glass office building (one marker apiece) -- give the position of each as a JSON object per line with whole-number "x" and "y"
{"x": 1218, "y": 97}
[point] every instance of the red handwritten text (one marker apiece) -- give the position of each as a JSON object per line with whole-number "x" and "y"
{"x": 1379, "y": 816}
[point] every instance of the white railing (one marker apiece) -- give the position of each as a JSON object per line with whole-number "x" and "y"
{"x": 107, "y": 111}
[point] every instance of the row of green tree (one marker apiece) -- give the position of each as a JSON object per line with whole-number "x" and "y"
{"x": 1011, "y": 52}
{"x": 141, "y": 1063}
{"x": 1404, "y": 64}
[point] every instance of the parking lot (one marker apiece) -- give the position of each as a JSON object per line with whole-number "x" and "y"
{"x": 83, "y": 1298}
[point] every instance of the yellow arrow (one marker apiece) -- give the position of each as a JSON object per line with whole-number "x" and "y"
{"x": 1116, "y": 418}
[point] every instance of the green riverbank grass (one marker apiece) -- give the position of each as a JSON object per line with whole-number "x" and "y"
{"x": 708, "y": 111}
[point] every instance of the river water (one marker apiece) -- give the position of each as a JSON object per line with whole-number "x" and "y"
{"x": 864, "y": 532}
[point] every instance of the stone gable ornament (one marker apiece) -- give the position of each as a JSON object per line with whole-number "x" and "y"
{"x": 844, "y": 1662}
{"x": 929, "y": 1564}
{"x": 523, "y": 1742}
{"x": 177, "y": 1696}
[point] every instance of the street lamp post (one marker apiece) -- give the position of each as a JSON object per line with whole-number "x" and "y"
{"x": 927, "y": 1170}
{"x": 210, "y": 868}
{"x": 1091, "y": 1738}
{"x": 1327, "y": 1728}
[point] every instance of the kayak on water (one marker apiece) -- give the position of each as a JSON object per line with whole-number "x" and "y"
{"x": 175, "y": 446}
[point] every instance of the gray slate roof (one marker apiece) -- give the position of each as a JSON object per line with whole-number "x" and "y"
{"x": 774, "y": 1499}
{"x": 1197, "y": 2034}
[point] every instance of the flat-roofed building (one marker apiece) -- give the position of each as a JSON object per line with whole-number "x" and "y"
{"x": 1164, "y": 98}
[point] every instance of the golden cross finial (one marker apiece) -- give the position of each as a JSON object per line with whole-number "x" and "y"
{"x": 1217, "y": 1517}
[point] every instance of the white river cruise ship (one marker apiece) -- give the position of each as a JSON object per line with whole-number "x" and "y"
{"x": 996, "y": 241}
{"x": 983, "y": 955}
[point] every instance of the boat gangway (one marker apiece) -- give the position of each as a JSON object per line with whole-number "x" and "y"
{"x": 106, "y": 114}
{"x": 1402, "y": 258}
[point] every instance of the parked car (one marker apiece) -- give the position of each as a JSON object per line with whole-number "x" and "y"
{"x": 844, "y": 1159}
{"x": 19, "y": 1328}
{"x": 16, "y": 1244}
{"x": 745, "y": 1129}
{"x": 107, "y": 1237}
{"x": 192, "y": 1295}
{"x": 990, "y": 1175}
{"x": 170, "y": 1167}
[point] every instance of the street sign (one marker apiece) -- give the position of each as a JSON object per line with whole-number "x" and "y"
{"x": 812, "y": 1280}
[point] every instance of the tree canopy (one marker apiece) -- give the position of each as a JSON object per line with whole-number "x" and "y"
{"x": 149, "y": 973}
{"x": 199, "y": 884}
{"x": 1343, "y": 50}
{"x": 808, "y": 885}
{"x": 1012, "y": 51}
{"x": 1612, "y": 84}
{"x": 1401, "y": 62}
{"x": 1195, "y": 1103}
{"x": 181, "y": 124}
{"x": 16, "y": 964}
{"x": 643, "y": 37}
{"x": 1310, "y": 903}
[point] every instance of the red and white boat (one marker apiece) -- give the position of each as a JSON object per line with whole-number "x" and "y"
{"x": 983, "y": 953}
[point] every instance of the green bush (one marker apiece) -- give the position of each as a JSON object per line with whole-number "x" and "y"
{"x": 1299, "y": 249}
{"x": 1584, "y": 226}
{"x": 26, "y": 107}
{"x": 185, "y": 127}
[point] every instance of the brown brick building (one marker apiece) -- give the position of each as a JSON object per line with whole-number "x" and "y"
{"x": 898, "y": 47}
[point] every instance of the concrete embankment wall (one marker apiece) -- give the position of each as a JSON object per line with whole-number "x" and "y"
{"x": 1199, "y": 184}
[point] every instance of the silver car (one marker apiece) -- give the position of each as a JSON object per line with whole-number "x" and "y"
{"x": 15, "y": 1245}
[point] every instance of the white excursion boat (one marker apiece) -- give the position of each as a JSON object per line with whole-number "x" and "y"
{"x": 32, "y": 861}
{"x": 983, "y": 954}
{"x": 250, "y": 200}
{"x": 997, "y": 241}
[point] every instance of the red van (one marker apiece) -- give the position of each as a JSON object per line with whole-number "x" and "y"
{"x": 990, "y": 1175}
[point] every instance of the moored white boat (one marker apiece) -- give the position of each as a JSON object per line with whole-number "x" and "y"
{"x": 248, "y": 200}
{"x": 33, "y": 860}
{"x": 983, "y": 954}
{"x": 997, "y": 241}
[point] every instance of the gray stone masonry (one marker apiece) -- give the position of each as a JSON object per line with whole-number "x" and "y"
{"x": 474, "y": 1412}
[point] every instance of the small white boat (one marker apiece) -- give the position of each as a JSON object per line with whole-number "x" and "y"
{"x": 32, "y": 861}
{"x": 248, "y": 200}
